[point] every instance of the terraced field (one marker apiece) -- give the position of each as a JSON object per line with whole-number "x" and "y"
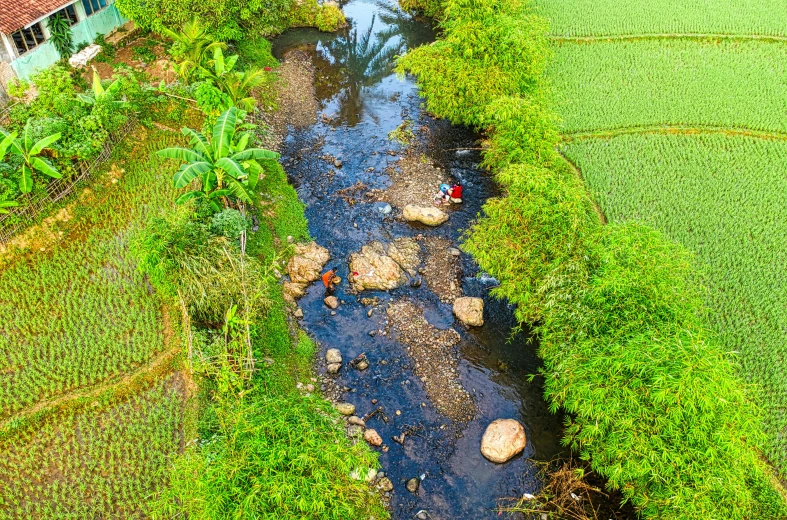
{"x": 687, "y": 133}
{"x": 91, "y": 401}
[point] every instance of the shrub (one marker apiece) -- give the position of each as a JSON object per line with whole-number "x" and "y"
{"x": 229, "y": 223}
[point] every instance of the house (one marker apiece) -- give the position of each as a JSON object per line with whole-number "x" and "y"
{"x": 24, "y": 38}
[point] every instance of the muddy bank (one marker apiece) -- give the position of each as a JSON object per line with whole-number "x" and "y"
{"x": 432, "y": 384}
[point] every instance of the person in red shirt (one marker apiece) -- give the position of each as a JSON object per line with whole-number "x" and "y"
{"x": 455, "y": 192}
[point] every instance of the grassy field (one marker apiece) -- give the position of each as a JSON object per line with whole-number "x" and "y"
{"x": 623, "y": 84}
{"x": 642, "y": 17}
{"x": 687, "y": 135}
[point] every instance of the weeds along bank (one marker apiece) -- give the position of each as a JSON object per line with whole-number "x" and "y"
{"x": 652, "y": 397}
{"x": 148, "y": 360}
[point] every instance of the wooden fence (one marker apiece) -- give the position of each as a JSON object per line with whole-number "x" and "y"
{"x": 31, "y": 206}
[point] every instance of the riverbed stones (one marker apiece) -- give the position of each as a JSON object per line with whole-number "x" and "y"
{"x": 372, "y": 437}
{"x": 333, "y": 355}
{"x": 470, "y": 311}
{"x": 413, "y": 484}
{"x": 354, "y": 419}
{"x": 332, "y": 302}
{"x": 333, "y": 368}
{"x": 425, "y": 215}
{"x": 441, "y": 270}
{"x": 502, "y": 440}
{"x": 434, "y": 359}
{"x": 307, "y": 263}
{"x": 385, "y": 484}
{"x": 298, "y": 313}
{"x": 373, "y": 269}
{"x": 407, "y": 253}
{"x": 292, "y": 291}
{"x": 345, "y": 408}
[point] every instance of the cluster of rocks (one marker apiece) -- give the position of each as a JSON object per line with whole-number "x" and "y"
{"x": 303, "y": 268}
{"x": 384, "y": 266}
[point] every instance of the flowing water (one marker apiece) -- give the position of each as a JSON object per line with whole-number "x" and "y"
{"x": 363, "y": 101}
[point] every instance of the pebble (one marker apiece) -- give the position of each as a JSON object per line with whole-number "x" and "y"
{"x": 380, "y": 474}
{"x": 413, "y": 484}
{"x": 345, "y": 408}
{"x": 332, "y": 302}
{"x": 372, "y": 437}
{"x": 372, "y": 333}
{"x": 354, "y": 419}
{"x": 334, "y": 368}
{"x": 385, "y": 484}
{"x": 454, "y": 251}
{"x": 309, "y": 388}
{"x": 369, "y": 314}
{"x": 333, "y": 355}
{"x": 422, "y": 515}
{"x": 415, "y": 283}
{"x": 333, "y": 313}
{"x": 398, "y": 412}
{"x": 298, "y": 313}
{"x": 374, "y": 401}
{"x": 338, "y": 163}
{"x": 362, "y": 365}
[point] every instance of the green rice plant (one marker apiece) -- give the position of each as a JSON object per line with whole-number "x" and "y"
{"x": 725, "y": 199}
{"x": 101, "y": 462}
{"x": 88, "y": 314}
{"x": 642, "y": 17}
{"x": 612, "y": 85}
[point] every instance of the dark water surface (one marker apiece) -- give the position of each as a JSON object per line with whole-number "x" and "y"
{"x": 364, "y": 101}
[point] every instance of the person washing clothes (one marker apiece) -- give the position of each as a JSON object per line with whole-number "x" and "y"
{"x": 455, "y": 193}
{"x": 449, "y": 194}
{"x": 327, "y": 280}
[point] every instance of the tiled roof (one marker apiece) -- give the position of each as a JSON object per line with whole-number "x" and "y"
{"x": 15, "y": 14}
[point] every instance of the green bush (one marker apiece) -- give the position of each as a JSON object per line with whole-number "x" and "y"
{"x": 229, "y": 223}
{"x": 652, "y": 400}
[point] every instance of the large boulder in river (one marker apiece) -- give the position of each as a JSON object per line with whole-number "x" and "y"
{"x": 470, "y": 311}
{"x": 503, "y": 439}
{"x": 373, "y": 269}
{"x": 307, "y": 263}
{"x": 428, "y": 216}
{"x": 407, "y": 253}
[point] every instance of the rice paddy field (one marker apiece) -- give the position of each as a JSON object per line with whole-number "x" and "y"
{"x": 686, "y": 133}
{"x": 92, "y": 403}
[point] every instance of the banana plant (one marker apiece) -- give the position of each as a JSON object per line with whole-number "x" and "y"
{"x": 99, "y": 93}
{"x": 5, "y": 204}
{"x": 30, "y": 153}
{"x": 223, "y": 164}
{"x": 235, "y": 84}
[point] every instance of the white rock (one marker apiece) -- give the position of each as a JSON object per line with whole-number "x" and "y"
{"x": 333, "y": 355}
{"x": 428, "y": 216}
{"x": 503, "y": 439}
{"x": 470, "y": 311}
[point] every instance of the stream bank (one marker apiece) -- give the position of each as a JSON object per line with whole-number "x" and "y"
{"x": 432, "y": 383}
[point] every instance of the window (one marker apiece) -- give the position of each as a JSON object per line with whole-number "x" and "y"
{"x": 91, "y": 6}
{"x": 28, "y": 39}
{"x": 69, "y": 13}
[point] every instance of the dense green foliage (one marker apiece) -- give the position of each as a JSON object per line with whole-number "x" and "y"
{"x": 642, "y": 17}
{"x": 60, "y": 35}
{"x": 726, "y": 199}
{"x": 618, "y": 84}
{"x": 230, "y": 20}
{"x": 653, "y": 400}
{"x": 92, "y": 463}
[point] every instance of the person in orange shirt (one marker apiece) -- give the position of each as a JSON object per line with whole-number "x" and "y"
{"x": 327, "y": 280}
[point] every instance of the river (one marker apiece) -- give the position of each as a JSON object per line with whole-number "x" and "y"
{"x": 359, "y": 102}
